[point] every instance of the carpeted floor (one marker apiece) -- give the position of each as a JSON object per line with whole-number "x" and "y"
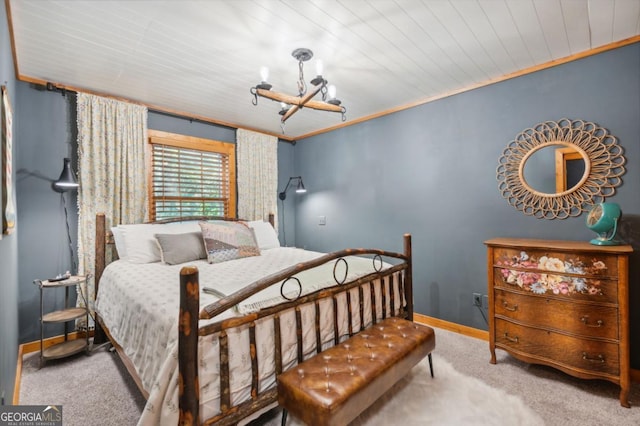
{"x": 93, "y": 390}
{"x": 450, "y": 398}
{"x": 467, "y": 390}
{"x": 558, "y": 398}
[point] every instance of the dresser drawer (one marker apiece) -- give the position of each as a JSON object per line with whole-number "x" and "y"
{"x": 581, "y": 319}
{"x": 569, "y": 287}
{"x": 555, "y": 348}
{"x": 543, "y": 261}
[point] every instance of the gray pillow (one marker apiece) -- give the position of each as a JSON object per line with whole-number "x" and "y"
{"x": 181, "y": 248}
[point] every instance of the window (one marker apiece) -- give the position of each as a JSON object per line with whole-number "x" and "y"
{"x": 191, "y": 176}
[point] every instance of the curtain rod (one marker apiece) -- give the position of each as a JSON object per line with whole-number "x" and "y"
{"x": 51, "y": 87}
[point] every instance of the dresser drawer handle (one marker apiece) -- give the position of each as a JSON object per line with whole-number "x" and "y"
{"x": 511, "y": 339}
{"x": 598, "y": 323}
{"x": 508, "y": 308}
{"x": 599, "y": 358}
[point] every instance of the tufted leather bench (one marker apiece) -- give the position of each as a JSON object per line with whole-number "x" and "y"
{"x": 335, "y": 386}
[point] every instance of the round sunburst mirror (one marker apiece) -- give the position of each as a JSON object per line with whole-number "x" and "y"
{"x": 558, "y": 169}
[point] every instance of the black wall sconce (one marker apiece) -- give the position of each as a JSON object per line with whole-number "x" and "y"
{"x": 299, "y": 189}
{"x": 283, "y": 195}
{"x": 67, "y": 180}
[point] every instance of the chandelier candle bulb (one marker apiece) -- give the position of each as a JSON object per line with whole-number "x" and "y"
{"x": 264, "y": 75}
{"x": 284, "y": 108}
{"x": 332, "y": 95}
{"x": 319, "y": 79}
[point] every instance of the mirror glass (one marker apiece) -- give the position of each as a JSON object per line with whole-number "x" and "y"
{"x": 553, "y": 169}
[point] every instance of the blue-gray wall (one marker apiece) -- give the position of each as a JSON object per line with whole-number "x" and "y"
{"x": 431, "y": 171}
{"x": 287, "y": 207}
{"x": 9, "y": 243}
{"x": 47, "y": 136}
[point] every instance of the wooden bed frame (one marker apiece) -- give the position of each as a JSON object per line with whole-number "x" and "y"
{"x": 190, "y": 313}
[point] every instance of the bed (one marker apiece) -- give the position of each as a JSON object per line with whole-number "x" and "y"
{"x": 205, "y": 341}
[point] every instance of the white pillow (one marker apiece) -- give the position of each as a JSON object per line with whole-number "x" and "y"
{"x": 266, "y": 236}
{"x": 118, "y": 239}
{"x": 140, "y": 241}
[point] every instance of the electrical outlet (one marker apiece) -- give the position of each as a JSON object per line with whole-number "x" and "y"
{"x": 322, "y": 220}
{"x": 477, "y": 299}
{"x": 485, "y": 301}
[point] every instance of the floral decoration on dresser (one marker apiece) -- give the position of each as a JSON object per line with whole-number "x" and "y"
{"x": 539, "y": 282}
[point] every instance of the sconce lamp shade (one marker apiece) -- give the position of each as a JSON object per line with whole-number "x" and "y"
{"x": 67, "y": 180}
{"x": 299, "y": 188}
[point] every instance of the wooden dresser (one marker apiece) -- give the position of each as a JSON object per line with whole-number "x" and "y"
{"x": 562, "y": 304}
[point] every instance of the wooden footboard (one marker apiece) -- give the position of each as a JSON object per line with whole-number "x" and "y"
{"x": 231, "y": 414}
{"x": 353, "y": 305}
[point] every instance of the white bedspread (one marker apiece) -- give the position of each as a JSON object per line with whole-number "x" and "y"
{"x": 139, "y": 303}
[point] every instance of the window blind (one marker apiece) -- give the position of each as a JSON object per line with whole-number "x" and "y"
{"x": 189, "y": 182}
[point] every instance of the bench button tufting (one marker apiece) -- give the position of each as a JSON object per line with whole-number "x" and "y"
{"x": 380, "y": 347}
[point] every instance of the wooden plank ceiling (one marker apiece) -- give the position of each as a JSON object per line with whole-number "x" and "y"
{"x": 201, "y": 57}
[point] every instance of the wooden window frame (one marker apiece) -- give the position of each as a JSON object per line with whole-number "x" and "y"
{"x": 562, "y": 156}
{"x": 195, "y": 143}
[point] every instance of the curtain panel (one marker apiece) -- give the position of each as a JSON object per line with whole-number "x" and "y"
{"x": 111, "y": 172}
{"x": 257, "y": 157}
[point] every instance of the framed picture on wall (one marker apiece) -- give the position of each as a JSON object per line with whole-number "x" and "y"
{"x": 8, "y": 201}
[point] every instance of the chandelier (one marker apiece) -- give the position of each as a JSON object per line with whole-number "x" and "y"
{"x": 289, "y": 104}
